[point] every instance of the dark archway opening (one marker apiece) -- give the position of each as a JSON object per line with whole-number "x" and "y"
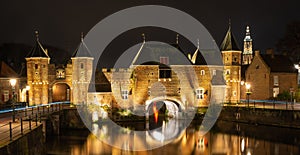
{"x": 61, "y": 92}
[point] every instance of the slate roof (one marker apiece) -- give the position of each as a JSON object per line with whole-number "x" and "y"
{"x": 82, "y": 50}
{"x": 152, "y": 51}
{"x": 37, "y": 51}
{"x": 279, "y": 63}
{"x": 229, "y": 43}
{"x": 6, "y": 70}
{"x": 207, "y": 57}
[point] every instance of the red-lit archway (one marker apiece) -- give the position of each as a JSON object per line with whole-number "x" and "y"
{"x": 60, "y": 92}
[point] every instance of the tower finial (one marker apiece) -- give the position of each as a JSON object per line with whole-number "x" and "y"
{"x": 36, "y": 35}
{"x": 81, "y": 36}
{"x": 229, "y": 22}
{"x": 198, "y": 43}
{"x": 177, "y": 39}
{"x": 144, "y": 37}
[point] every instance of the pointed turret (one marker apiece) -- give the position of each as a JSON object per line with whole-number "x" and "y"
{"x": 229, "y": 43}
{"x": 38, "y": 50}
{"x": 82, "y": 70}
{"x": 37, "y": 73}
{"x": 231, "y": 54}
{"x": 82, "y": 50}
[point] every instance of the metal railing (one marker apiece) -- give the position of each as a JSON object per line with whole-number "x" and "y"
{"x": 27, "y": 118}
{"x": 276, "y": 105}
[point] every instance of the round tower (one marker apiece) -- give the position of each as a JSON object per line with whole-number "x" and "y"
{"x": 82, "y": 67}
{"x": 37, "y": 73}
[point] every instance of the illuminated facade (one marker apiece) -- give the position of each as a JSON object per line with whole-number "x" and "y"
{"x": 49, "y": 83}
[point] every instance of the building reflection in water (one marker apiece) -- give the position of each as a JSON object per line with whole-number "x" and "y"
{"x": 187, "y": 141}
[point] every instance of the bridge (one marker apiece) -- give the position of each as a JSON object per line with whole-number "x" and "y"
{"x": 14, "y": 123}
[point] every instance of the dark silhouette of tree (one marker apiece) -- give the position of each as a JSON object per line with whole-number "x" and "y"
{"x": 290, "y": 43}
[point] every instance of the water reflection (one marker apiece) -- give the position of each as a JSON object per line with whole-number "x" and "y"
{"x": 224, "y": 139}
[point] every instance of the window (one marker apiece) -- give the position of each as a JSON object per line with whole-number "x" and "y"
{"x": 124, "y": 94}
{"x": 276, "y": 83}
{"x": 200, "y": 93}
{"x": 227, "y": 71}
{"x": 235, "y": 59}
{"x": 36, "y": 66}
{"x": 81, "y": 65}
{"x": 257, "y": 67}
{"x": 214, "y": 72}
{"x": 275, "y": 92}
{"x": 234, "y": 93}
{"x": 165, "y": 73}
{"x": 164, "y": 60}
{"x": 5, "y": 95}
{"x": 202, "y": 72}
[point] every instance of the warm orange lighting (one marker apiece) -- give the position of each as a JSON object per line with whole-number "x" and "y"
{"x": 155, "y": 111}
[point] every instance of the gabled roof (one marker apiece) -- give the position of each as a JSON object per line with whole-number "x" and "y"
{"x": 37, "y": 51}
{"x": 6, "y": 70}
{"x": 229, "y": 43}
{"x": 279, "y": 63}
{"x": 152, "y": 51}
{"x": 82, "y": 50}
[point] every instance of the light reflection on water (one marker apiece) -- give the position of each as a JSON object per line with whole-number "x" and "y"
{"x": 226, "y": 138}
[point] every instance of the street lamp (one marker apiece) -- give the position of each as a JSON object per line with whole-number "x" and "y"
{"x": 248, "y": 86}
{"x": 13, "y": 84}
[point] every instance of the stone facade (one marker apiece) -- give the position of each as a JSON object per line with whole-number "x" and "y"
{"x": 37, "y": 79}
{"x": 232, "y": 73}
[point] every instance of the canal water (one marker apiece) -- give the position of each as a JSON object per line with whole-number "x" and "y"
{"x": 225, "y": 138}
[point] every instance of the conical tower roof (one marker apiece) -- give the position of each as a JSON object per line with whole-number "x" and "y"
{"x": 229, "y": 43}
{"x": 82, "y": 50}
{"x": 37, "y": 50}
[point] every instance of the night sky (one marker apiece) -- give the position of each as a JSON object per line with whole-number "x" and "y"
{"x": 61, "y": 22}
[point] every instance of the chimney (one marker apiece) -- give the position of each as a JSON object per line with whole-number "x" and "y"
{"x": 257, "y": 53}
{"x": 270, "y": 51}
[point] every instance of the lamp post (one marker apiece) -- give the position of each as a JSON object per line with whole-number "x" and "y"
{"x": 248, "y": 86}
{"x": 13, "y": 84}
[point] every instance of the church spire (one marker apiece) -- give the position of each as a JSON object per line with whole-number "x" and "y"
{"x": 247, "y": 52}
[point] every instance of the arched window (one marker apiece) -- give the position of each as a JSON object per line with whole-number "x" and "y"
{"x": 202, "y": 72}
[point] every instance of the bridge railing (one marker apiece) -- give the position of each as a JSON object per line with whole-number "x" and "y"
{"x": 26, "y": 118}
{"x": 11, "y": 131}
{"x": 267, "y": 104}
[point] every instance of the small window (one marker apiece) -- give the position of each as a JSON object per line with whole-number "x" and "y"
{"x": 276, "y": 81}
{"x": 235, "y": 59}
{"x": 214, "y": 73}
{"x": 165, "y": 73}
{"x": 164, "y": 60}
{"x": 81, "y": 65}
{"x": 200, "y": 93}
{"x": 36, "y": 66}
{"x": 257, "y": 67}
{"x": 202, "y": 72}
{"x": 124, "y": 94}
{"x": 275, "y": 92}
{"x": 227, "y": 71}
{"x": 234, "y": 93}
